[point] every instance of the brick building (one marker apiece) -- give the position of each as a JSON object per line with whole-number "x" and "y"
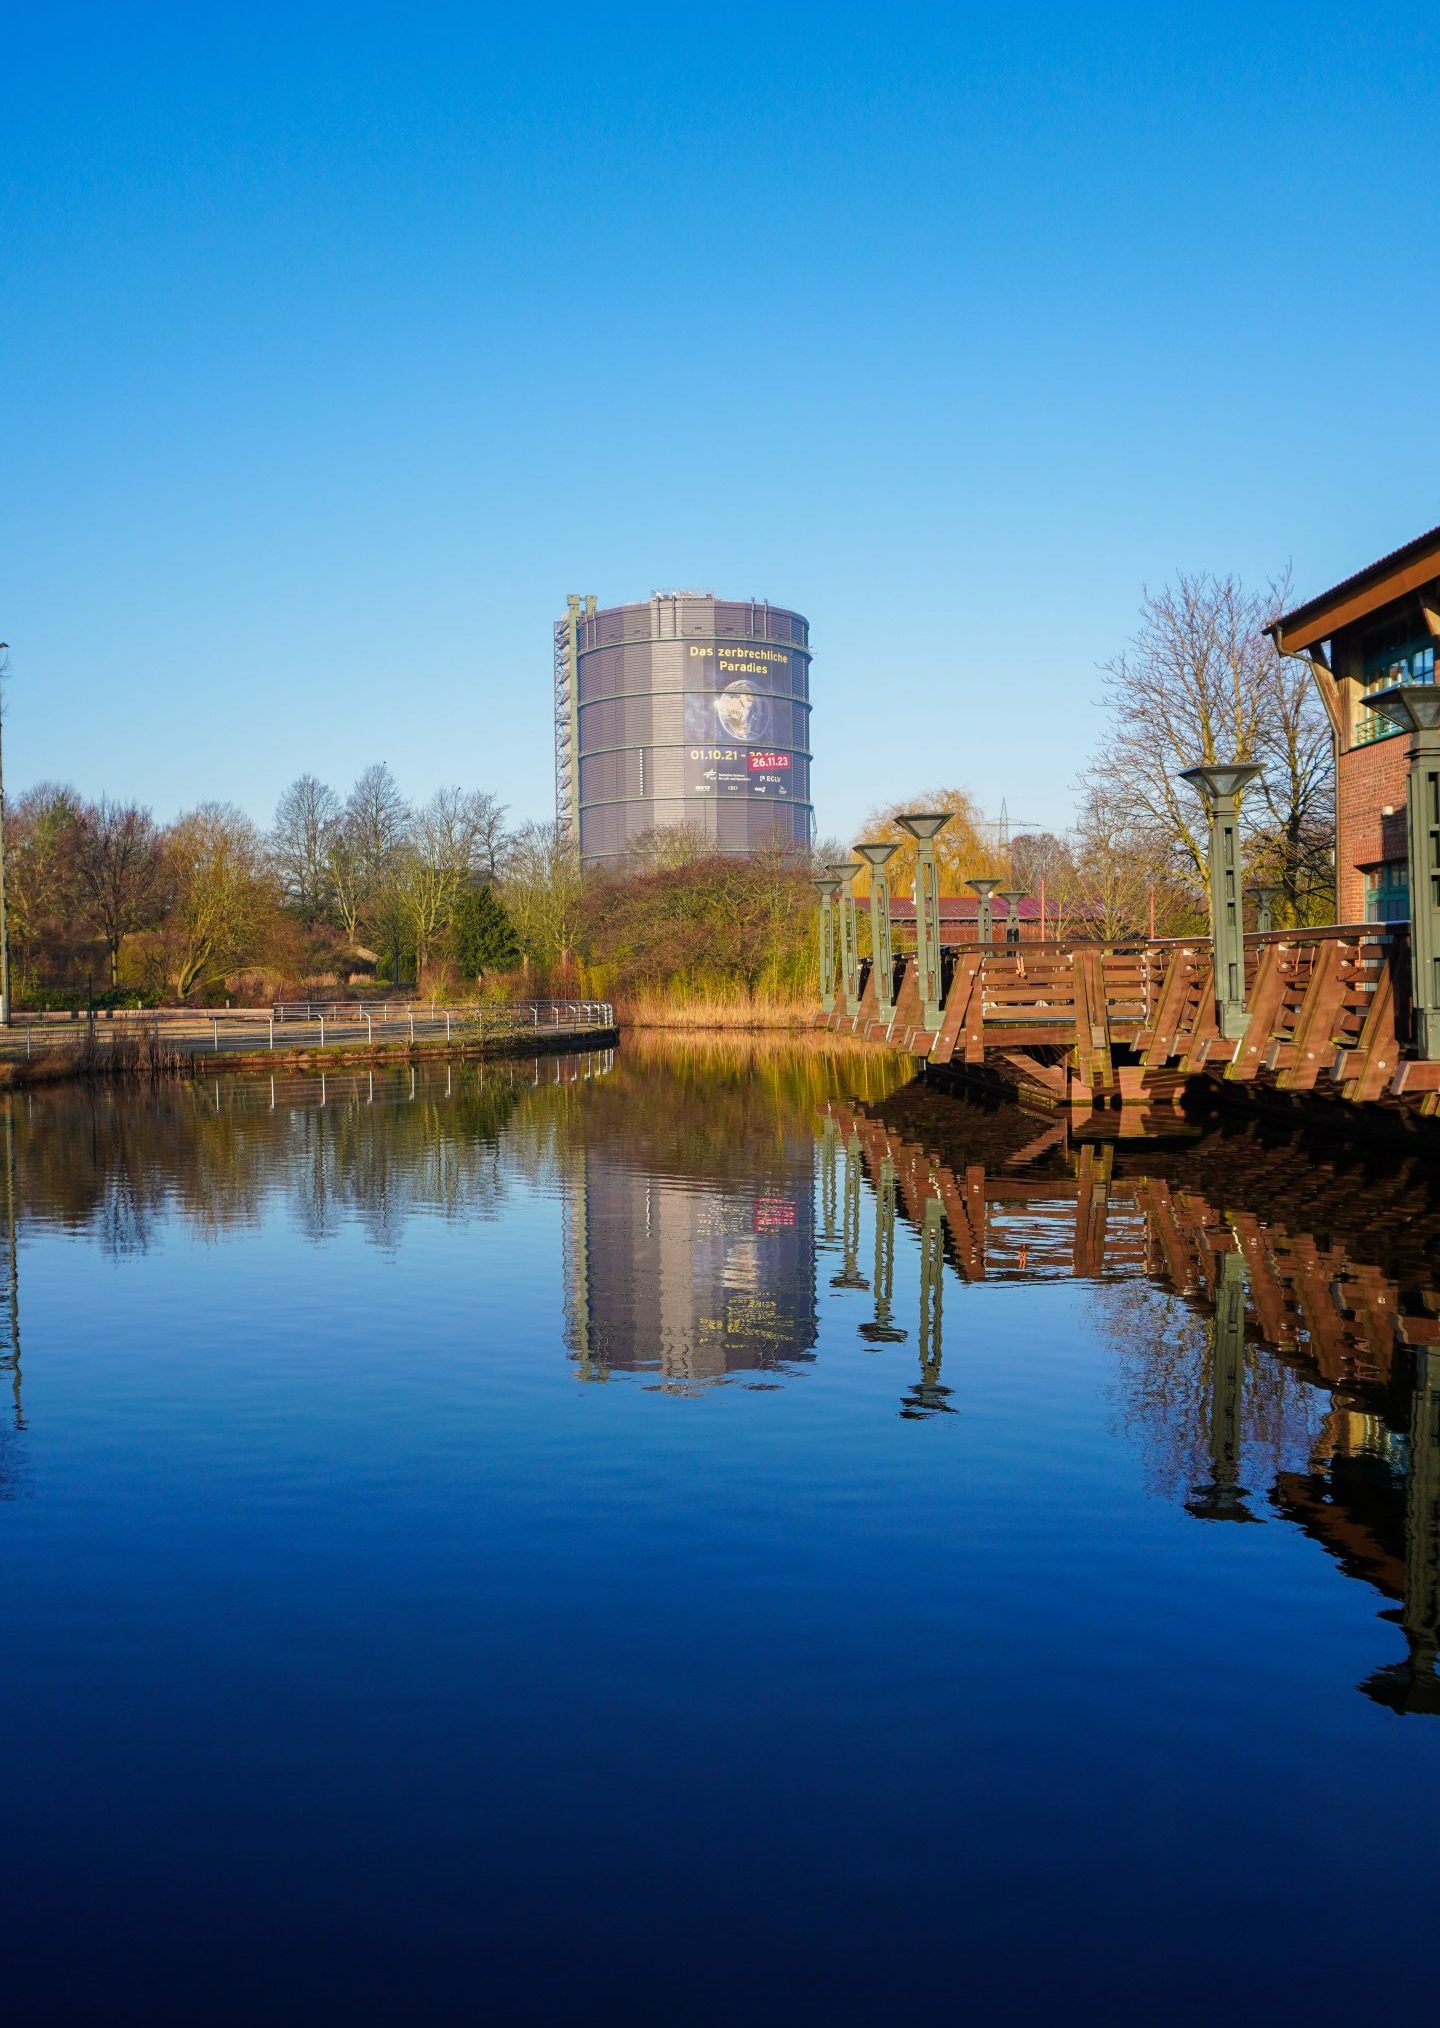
{"x": 1381, "y": 626}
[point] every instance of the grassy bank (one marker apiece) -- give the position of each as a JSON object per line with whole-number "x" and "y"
{"x": 143, "y": 1058}
{"x": 719, "y": 1010}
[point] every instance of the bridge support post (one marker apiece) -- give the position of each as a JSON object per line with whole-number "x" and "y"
{"x": 1220, "y": 787}
{"x": 985, "y": 920}
{"x": 882, "y": 951}
{"x": 843, "y": 874}
{"x": 1415, "y": 708}
{"x": 829, "y": 891}
{"x": 924, "y": 827}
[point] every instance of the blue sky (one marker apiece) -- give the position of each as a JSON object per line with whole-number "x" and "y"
{"x": 341, "y": 341}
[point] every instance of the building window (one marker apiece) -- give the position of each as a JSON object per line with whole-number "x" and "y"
{"x": 1387, "y": 892}
{"x": 1387, "y": 661}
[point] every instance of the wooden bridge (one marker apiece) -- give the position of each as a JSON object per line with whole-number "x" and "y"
{"x": 1086, "y": 1024}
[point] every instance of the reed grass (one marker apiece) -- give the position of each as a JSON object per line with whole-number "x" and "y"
{"x": 129, "y": 1056}
{"x": 706, "y": 1010}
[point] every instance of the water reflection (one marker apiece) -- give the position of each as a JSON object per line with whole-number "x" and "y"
{"x": 1296, "y": 1335}
{"x": 690, "y": 1212}
{"x": 1270, "y": 1315}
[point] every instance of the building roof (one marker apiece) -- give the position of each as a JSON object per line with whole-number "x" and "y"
{"x": 1406, "y": 569}
{"x": 966, "y": 908}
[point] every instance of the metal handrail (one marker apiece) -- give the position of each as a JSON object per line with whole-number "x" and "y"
{"x": 313, "y": 1024}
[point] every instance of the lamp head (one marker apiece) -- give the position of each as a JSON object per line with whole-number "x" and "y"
{"x": 1221, "y": 778}
{"x": 844, "y": 870}
{"x": 984, "y": 888}
{"x": 878, "y": 855}
{"x": 828, "y": 888}
{"x": 1414, "y": 707}
{"x": 924, "y": 824}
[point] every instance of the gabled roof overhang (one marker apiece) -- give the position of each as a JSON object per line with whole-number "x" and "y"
{"x": 1413, "y": 569}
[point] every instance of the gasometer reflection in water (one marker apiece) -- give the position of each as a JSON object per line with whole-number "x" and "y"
{"x": 684, "y": 1255}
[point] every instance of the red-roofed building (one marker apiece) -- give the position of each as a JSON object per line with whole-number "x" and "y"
{"x": 960, "y": 913}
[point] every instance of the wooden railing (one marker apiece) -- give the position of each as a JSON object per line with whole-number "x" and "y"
{"x": 1090, "y": 1022}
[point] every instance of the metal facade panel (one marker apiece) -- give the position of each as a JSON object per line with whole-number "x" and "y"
{"x": 693, "y": 710}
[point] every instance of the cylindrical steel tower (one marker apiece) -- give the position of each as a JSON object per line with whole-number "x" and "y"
{"x": 689, "y": 710}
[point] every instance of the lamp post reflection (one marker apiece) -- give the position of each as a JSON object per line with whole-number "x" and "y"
{"x": 850, "y": 1276}
{"x": 928, "y": 1397}
{"x": 829, "y": 1142}
{"x": 1413, "y": 1685}
{"x": 883, "y": 1330}
{"x": 1222, "y": 1498}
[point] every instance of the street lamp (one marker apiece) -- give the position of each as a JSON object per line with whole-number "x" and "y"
{"x": 1264, "y": 899}
{"x": 882, "y": 955}
{"x": 829, "y": 891}
{"x": 1220, "y": 787}
{"x": 1415, "y": 708}
{"x": 1012, "y": 897}
{"x": 844, "y": 871}
{"x": 924, "y": 826}
{"x": 985, "y": 918}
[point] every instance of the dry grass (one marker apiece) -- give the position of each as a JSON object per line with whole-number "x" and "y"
{"x": 127, "y": 1056}
{"x": 721, "y": 1009}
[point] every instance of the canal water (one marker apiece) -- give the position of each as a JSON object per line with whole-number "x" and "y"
{"x": 709, "y": 1535}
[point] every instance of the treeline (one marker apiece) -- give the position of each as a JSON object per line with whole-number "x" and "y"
{"x": 442, "y": 896}
{"x": 1199, "y": 682}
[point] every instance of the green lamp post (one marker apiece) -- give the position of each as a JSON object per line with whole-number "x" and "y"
{"x": 1220, "y": 787}
{"x": 924, "y": 826}
{"x": 829, "y": 891}
{"x": 985, "y": 920}
{"x": 1264, "y": 899}
{"x": 843, "y": 872}
{"x": 1012, "y": 898}
{"x": 1415, "y": 708}
{"x": 877, "y": 857}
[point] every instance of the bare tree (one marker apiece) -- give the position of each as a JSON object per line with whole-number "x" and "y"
{"x": 1201, "y": 682}
{"x": 544, "y": 891}
{"x": 491, "y": 835}
{"x": 1294, "y": 812}
{"x": 362, "y": 847}
{"x": 305, "y": 816}
{"x": 1115, "y": 871}
{"x": 345, "y": 877}
{"x": 450, "y": 841}
{"x": 379, "y": 817}
{"x": 40, "y": 829}
{"x": 118, "y": 863}
{"x": 667, "y": 847}
{"x": 219, "y": 893}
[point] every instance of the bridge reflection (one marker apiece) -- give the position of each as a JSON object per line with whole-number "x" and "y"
{"x": 1295, "y": 1274}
